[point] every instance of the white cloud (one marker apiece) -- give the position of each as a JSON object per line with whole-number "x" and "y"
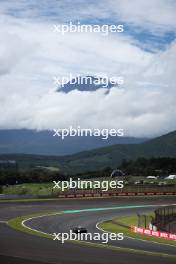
{"x": 157, "y": 16}
{"x": 153, "y": 15}
{"x": 31, "y": 54}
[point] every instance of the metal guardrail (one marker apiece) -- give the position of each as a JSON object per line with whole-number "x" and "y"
{"x": 163, "y": 219}
{"x": 164, "y": 216}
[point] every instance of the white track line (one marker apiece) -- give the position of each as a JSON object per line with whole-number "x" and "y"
{"x": 3, "y": 222}
{"x": 98, "y": 223}
{"x": 86, "y": 242}
{"x": 33, "y": 229}
{"x": 140, "y": 239}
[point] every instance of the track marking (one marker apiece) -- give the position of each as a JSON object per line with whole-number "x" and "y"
{"x": 33, "y": 229}
{"x": 113, "y": 208}
{"x": 140, "y": 239}
{"x": 3, "y": 222}
{"x": 97, "y": 244}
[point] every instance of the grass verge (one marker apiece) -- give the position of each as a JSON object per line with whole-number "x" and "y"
{"x": 28, "y": 200}
{"x": 118, "y": 226}
{"x": 16, "y": 223}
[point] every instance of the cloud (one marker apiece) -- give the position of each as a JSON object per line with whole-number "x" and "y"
{"x": 152, "y": 15}
{"x": 31, "y": 54}
{"x": 157, "y": 16}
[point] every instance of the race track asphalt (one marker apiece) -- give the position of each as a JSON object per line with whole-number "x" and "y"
{"x": 19, "y": 247}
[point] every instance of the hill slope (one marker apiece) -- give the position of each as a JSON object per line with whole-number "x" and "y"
{"x": 43, "y": 143}
{"x": 164, "y": 146}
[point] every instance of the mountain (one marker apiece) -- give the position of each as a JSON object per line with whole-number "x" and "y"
{"x": 43, "y": 142}
{"x": 97, "y": 159}
{"x": 87, "y": 83}
{"x": 112, "y": 156}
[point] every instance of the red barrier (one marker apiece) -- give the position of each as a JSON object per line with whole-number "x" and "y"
{"x": 88, "y": 195}
{"x": 107, "y": 194}
{"x": 148, "y": 232}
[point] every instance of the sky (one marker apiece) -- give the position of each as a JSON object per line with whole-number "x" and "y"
{"x": 32, "y": 54}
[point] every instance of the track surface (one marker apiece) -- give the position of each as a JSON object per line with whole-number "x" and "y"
{"x": 18, "y": 247}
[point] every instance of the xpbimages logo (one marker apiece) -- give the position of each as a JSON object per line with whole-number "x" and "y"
{"x": 104, "y": 81}
{"x": 88, "y": 184}
{"x": 71, "y": 27}
{"x": 101, "y": 237}
{"x": 104, "y": 133}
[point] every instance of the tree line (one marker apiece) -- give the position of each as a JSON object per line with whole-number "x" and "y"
{"x": 139, "y": 167}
